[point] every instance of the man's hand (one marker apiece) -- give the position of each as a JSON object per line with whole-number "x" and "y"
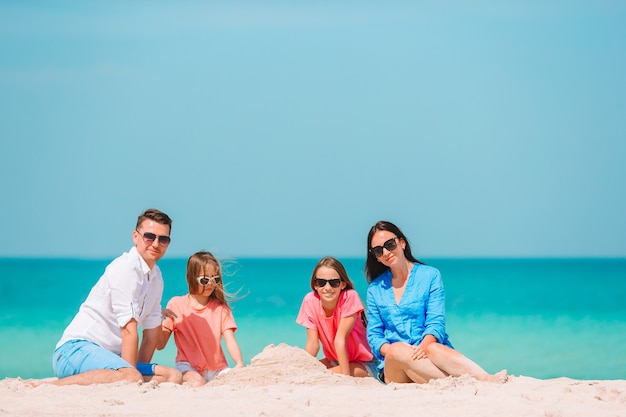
{"x": 168, "y": 314}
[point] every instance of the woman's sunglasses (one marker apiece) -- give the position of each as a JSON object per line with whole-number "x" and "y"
{"x": 321, "y": 283}
{"x": 148, "y": 238}
{"x": 390, "y": 245}
{"x": 209, "y": 280}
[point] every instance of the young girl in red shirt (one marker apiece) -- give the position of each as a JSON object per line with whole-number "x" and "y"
{"x": 199, "y": 320}
{"x": 333, "y": 315}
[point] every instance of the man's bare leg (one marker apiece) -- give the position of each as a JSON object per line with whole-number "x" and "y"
{"x": 165, "y": 374}
{"x": 100, "y": 376}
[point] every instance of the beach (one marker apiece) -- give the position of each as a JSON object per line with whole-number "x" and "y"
{"x": 284, "y": 380}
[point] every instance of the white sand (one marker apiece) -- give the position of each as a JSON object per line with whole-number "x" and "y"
{"x": 286, "y": 381}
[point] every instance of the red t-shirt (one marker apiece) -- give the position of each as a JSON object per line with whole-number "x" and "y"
{"x": 312, "y": 316}
{"x": 198, "y": 332}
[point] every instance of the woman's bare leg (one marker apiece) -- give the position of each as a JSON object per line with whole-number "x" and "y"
{"x": 455, "y": 363}
{"x": 400, "y": 367}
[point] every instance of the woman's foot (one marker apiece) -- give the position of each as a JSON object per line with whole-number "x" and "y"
{"x": 499, "y": 377}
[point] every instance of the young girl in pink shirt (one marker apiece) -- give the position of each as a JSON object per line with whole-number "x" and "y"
{"x": 333, "y": 315}
{"x": 199, "y": 321}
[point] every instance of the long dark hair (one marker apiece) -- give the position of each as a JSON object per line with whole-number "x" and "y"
{"x": 373, "y": 268}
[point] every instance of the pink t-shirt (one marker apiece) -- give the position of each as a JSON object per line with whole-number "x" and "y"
{"x": 198, "y": 332}
{"x": 312, "y": 316}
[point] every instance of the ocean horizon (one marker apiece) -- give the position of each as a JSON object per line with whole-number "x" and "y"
{"x": 540, "y": 317}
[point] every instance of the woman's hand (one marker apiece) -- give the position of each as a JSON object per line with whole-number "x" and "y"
{"x": 421, "y": 351}
{"x": 418, "y": 353}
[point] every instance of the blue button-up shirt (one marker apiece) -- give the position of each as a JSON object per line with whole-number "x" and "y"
{"x": 421, "y": 309}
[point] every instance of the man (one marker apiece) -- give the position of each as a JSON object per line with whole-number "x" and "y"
{"x": 100, "y": 345}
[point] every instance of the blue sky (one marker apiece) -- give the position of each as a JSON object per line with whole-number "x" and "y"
{"x": 289, "y": 128}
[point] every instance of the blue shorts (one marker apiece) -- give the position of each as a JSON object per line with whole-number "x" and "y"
{"x": 78, "y": 356}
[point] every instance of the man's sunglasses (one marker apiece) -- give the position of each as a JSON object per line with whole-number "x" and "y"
{"x": 209, "y": 280}
{"x": 390, "y": 245}
{"x": 148, "y": 238}
{"x": 321, "y": 283}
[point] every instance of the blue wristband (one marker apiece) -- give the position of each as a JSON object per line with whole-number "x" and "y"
{"x": 146, "y": 369}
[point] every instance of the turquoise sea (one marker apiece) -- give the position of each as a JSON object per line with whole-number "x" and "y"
{"x": 543, "y": 318}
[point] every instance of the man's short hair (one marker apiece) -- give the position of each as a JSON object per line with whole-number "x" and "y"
{"x": 154, "y": 215}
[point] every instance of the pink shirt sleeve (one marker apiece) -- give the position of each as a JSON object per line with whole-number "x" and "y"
{"x": 351, "y": 304}
{"x": 308, "y": 316}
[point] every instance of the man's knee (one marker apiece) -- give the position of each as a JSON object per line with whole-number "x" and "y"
{"x": 130, "y": 374}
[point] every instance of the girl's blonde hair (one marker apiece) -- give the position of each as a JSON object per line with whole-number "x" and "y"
{"x": 198, "y": 265}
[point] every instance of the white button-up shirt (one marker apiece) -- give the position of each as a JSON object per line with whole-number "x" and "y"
{"x": 128, "y": 289}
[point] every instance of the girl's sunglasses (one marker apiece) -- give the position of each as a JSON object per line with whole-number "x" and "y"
{"x": 390, "y": 245}
{"x": 209, "y": 280}
{"x": 321, "y": 283}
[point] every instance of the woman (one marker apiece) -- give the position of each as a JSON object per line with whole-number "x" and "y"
{"x": 406, "y": 320}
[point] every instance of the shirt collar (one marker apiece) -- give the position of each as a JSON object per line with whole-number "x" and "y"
{"x": 144, "y": 266}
